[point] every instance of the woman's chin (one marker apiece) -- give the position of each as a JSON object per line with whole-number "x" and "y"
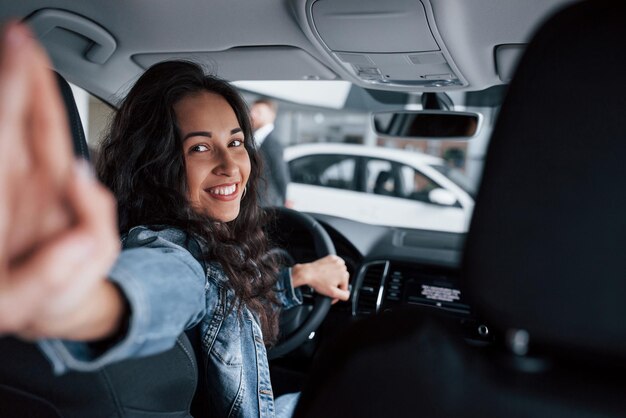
{"x": 223, "y": 215}
{"x": 220, "y": 212}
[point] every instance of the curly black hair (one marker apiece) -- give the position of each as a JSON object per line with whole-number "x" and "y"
{"x": 141, "y": 160}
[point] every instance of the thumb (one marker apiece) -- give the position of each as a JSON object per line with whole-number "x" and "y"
{"x": 340, "y": 294}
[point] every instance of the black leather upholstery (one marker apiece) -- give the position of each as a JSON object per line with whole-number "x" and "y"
{"x": 162, "y": 385}
{"x": 545, "y": 251}
{"x": 155, "y": 386}
{"x": 544, "y": 258}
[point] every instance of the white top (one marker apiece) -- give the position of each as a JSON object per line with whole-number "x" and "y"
{"x": 262, "y": 133}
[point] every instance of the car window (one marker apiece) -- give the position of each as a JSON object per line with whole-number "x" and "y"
{"x": 380, "y": 178}
{"x": 95, "y": 116}
{"x": 399, "y": 180}
{"x": 458, "y": 178}
{"x": 415, "y": 185}
{"x": 336, "y": 171}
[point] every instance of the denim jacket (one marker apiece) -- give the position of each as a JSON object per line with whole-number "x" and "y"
{"x": 169, "y": 290}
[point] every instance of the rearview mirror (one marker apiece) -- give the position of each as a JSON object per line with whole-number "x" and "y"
{"x": 426, "y": 124}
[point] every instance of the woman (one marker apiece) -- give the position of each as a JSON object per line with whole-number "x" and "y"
{"x": 181, "y": 161}
{"x": 52, "y": 285}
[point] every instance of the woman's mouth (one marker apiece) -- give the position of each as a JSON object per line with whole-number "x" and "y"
{"x": 224, "y": 190}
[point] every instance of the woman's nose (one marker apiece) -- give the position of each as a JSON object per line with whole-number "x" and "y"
{"x": 226, "y": 165}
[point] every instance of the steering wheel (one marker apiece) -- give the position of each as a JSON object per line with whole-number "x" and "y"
{"x": 323, "y": 246}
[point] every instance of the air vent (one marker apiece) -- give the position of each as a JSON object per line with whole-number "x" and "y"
{"x": 369, "y": 293}
{"x": 393, "y": 288}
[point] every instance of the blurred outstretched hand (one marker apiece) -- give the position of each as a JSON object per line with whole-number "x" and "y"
{"x": 58, "y": 231}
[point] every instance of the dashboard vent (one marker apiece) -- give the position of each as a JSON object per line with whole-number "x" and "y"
{"x": 394, "y": 288}
{"x": 370, "y": 286}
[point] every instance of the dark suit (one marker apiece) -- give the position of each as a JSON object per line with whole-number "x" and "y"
{"x": 275, "y": 175}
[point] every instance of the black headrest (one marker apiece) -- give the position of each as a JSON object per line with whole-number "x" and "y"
{"x": 76, "y": 127}
{"x": 545, "y": 250}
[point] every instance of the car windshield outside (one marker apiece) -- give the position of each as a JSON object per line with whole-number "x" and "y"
{"x": 339, "y": 166}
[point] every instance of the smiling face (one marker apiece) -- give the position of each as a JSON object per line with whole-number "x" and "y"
{"x": 216, "y": 162}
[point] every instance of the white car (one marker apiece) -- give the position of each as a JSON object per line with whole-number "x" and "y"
{"x": 378, "y": 185}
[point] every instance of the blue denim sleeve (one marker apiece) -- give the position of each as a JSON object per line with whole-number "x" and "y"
{"x": 164, "y": 286}
{"x": 287, "y": 295}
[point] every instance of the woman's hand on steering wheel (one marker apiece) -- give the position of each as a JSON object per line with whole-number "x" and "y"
{"x": 327, "y": 276}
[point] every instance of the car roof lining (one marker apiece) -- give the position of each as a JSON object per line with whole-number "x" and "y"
{"x": 222, "y": 25}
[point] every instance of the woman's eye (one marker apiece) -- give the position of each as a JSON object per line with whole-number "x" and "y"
{"x": 199, "y": 148}
{"x": 236, "y": 143}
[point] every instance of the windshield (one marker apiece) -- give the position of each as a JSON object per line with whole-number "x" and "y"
{"x": 339, "y": 166}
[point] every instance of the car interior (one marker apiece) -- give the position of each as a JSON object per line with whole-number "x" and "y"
{"x": 522, "y": 316}
{"x": 546, "y": 276}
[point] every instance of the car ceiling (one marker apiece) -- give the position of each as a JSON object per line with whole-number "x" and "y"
{"x": 268, "y": 39}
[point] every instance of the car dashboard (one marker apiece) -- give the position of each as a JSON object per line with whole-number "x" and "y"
{"x": 403, "y": 269}
{"x": 391, "y": 269}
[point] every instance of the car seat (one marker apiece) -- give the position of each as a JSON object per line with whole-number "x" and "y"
{"x": 154, "y": 386}
{"x": 543, "y": 263}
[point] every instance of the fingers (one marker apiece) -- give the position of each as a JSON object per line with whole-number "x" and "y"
{"x": 30, "y": 100}
{"x": 34, "y": 279}
{"x": 342, "y": 291}
{"x": 13, "y": 84}
{"x": 54, "y": 154}
{"x": 327, "y": 276}
{"x": 51, "y": 219}
{"x": 35, "y": 150}
{"x": 47, "y": 288}
{"x": 339, "y": 278}
{"x": 339, "y": 294}
{"x": 89, "y": 307}
{"x": 95, "y": 209}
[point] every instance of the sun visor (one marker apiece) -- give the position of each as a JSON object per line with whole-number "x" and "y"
{"x": 282, "y": 62}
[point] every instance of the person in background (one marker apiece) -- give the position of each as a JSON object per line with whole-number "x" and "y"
{"x": 275, "y": 175}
